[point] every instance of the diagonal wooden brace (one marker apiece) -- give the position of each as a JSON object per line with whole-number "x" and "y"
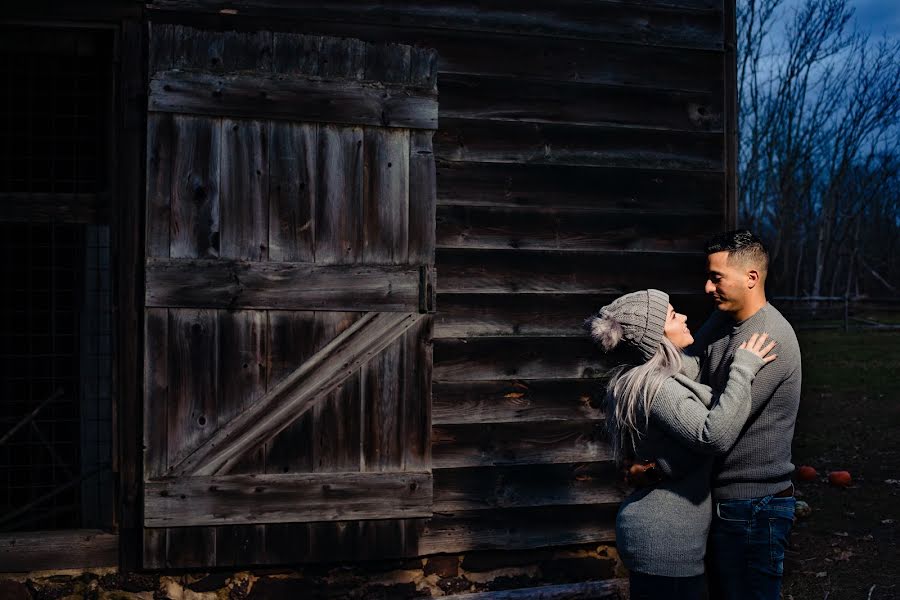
{"x": 295, "y": 394}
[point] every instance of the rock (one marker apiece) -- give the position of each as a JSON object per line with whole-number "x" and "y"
{"x": 802, "y": 510}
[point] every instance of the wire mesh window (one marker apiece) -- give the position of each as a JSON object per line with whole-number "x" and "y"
{"x": 56, "y": 340}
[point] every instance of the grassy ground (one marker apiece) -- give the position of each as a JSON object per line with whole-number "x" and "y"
{"x": 849, "y": 420}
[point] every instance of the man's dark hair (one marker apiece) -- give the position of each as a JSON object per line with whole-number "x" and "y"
{"x": 742, "y": 246}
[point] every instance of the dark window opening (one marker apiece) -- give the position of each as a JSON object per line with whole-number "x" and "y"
{"x": 56, "y": 342}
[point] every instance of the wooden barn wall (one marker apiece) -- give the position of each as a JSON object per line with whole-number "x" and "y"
{"x": 582, "y": 152}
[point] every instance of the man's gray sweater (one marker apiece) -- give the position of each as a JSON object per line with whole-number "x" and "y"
{"x": 662, "y": 529}
{"x": 759, "y": 463}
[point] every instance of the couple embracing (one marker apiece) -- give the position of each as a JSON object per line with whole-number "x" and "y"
{"x": 707, "y": 421}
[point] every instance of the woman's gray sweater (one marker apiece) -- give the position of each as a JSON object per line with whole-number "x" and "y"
{"x": 662, "y": 529}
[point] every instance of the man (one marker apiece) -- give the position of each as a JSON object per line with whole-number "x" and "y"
{"x": 753, "y": 500}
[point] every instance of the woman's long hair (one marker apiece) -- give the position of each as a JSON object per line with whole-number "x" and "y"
{"x": 630, "y": 394}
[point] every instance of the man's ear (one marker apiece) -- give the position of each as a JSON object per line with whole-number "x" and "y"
{"x": 753, "y": 279}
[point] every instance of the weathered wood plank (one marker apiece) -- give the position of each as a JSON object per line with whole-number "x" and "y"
{"x": 415, "y": 417}
{"x": 336, "y": 420}
{"x": 297, "y": 286}
{"x": 422, "y": 198}
{"x": 292, "y": 340}
{"x": 550, "y": 228}
{"x": 484, "y": 358}
{"x": 220, "y": 50}
{"x": 343, "y": 58}
{"x": 585, "y": 187}
{"x": 383, "y": 387}
{"x": 482, "y": 488}
{"x": 304, "y": 445}
{"x": 385, "y": 217}
{"x": 193, "y": 377}
{"x": 513, "y": 529}
{"x": 160, "y": 156}
{"x": 517, "y": 401}
{"x": 340, "y": 195}
{"x": 51, "y": 550}
{"x": 161, "y": 43}
{"x": 241, "y": 545}
{"x": 292, "y": 191}
{"x": 156, "y": 391}
{"x": 308, "y": 100}
{"x": 498, "y": 98}
{"x": 287, "y": 543}
{"x": 190, "y": 547}
{"x": 242, "y": 373}
{"x": 296, "y": 394}
{"x": 558, "y": 59}
{"x": 195, "y": 188}
{"x": 297, "y": 54}
{"x": 499, "y": 444}
{"x": 614, "y": 273}
{"x": 253, "y": 499}
{"x": 469, "y": 140}
{"x": 614, "y": 589}
{"x": 388, "y": 62}
{"x": 558, "y": 315}
{"x": 694, "y": 23}
{"x": 153, "y": 547}
{"x": 244, "y": 191}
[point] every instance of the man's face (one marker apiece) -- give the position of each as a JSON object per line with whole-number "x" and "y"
{"x": 727, "y": 284}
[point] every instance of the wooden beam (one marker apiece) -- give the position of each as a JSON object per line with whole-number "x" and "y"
{"x": 64, "y": 549}
{"x": 600, "y": 188}
{"x": 476, "y": 402}
{"x": 687, "y": 23}
{"x": 296, "y": 393}
{"x": 298, "y": 99}
{"x": 613, "y": 272}
{"x": 508, "y": 444}
{"x": 526, "y": 486}
{"x": 497, "y": 98}
{"x": 614, "y": 589}
{"x": 286, "y": 498}
{"x": 520, "y": 357}
{"x": 528, "y": 314}
{"x": 476, "y": 140}
{"x": 286, "y": 286}
{"x": 548, "y": 228}
{"x": 517, "y": 528}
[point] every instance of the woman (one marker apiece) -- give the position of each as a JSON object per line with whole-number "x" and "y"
{"x": 656, "y": 413}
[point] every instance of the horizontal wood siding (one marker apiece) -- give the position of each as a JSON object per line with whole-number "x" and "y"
{"x": 580, "y": 153}
{"x": 286, "y": 498}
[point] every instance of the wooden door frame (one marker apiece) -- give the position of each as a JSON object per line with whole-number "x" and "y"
{"x": 80, "y": 548}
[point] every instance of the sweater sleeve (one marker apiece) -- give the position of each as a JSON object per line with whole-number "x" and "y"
{"x": 709, "y": 430}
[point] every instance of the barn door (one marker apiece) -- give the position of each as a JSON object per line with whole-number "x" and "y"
{"x": 289, "y": 297}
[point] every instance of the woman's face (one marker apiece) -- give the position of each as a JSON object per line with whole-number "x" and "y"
{"x": 676, "y": 329}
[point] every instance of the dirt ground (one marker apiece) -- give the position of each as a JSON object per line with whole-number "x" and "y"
{"x": 849, "y": 420}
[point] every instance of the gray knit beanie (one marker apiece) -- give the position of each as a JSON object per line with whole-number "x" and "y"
{"x": 639, "y": 318}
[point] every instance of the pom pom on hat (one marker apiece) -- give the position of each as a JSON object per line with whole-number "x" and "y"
{"x": 606, "y": 332}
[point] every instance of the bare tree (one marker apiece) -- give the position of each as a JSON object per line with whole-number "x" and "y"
{"x": 819, "y": 116}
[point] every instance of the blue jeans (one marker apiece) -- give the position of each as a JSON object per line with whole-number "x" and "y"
{"x": 746, "y": 547}
{"x": 657, "y": 587}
